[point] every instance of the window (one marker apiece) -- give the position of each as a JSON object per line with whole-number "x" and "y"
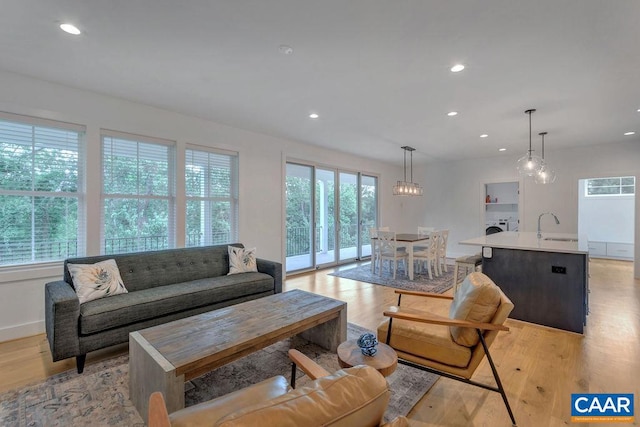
{"x": 211, "y": 179}
{"x": 138, "y": 193}
{"x": 40, "y": 200}
{"x": 614, "y": 186}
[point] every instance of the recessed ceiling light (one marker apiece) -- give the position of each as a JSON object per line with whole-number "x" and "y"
{"x": 70, "y": 28}
{"x": 629, "y": 133}
{"x": 313, "y": 116}
{"x": 452, "y": 113}
{"x": 484, "y": 135}
{"x": 457, "y": 68}
{"x": 502, "y": 149}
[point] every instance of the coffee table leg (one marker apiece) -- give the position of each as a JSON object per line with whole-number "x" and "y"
{"x": 149, "y": 371}
{"x": 330, "y": 334}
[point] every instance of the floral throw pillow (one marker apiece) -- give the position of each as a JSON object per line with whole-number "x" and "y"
{"x": 242, "y": 260}
{"x": 99, "y": 280}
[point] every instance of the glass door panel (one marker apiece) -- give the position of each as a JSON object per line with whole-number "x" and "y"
{"x": 348, "y": 216}
{"x": 368, "y": 211}
{"x": 299, "y": 222}
{"x": 325, "y": 217}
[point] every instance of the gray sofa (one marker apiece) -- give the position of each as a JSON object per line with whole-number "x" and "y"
{"x": 162, "y": 286}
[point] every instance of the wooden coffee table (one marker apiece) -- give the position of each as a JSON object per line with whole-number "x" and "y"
{"x": 162, "y": 358}
{"x": 385, "y": 360}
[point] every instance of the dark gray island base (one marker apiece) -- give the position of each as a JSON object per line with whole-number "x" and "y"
{"x": 546, "y": 277}
{"x": 547, "y": 288}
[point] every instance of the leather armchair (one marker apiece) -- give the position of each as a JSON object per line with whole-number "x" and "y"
{"x": 355, "y": 396}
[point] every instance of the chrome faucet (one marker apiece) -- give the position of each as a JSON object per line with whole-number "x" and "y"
{"x": 540, "y": 217}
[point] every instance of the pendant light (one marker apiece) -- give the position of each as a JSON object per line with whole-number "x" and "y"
{"x": 529, "y": 164}
{"x": 546, "y": 175}
{"x": 407, "y": 188}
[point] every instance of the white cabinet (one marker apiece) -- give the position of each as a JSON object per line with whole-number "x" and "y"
{"x": 611, "y": 250}
{"x": 598, "y": 249}
{"x": 620, "y": 250}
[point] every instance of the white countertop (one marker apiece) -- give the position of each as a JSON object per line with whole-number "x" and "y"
{"x": 529, "y": 241}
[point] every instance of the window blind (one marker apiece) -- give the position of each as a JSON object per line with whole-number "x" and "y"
{"x": 211, "y": 179}
{"x": 137, "y": 193}
{"x": 41, "y": 218}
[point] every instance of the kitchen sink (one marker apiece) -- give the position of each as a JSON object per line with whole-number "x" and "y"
{"x": 561, "y": 239}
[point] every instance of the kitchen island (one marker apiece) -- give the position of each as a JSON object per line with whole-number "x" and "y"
{"x": 546, "y": 278}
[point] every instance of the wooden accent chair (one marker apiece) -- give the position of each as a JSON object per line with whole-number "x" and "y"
{"x": 451, "y": 346}
{"x": 349, "y": 397}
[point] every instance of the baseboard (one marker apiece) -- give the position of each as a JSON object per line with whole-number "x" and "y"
{"x": 22, "y": 331}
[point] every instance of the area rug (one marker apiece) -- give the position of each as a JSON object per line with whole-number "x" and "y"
{"x": 420, "y": 282}
{"x": 100, "y": 396}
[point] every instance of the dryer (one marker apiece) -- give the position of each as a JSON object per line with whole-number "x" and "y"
{"x": 496, "y": 226}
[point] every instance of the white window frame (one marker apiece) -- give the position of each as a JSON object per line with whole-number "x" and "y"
{"x": 78, "y": 195}
{"x": 170, "y": 197}
{"x": 619, "y": 186}
{"x": 206, "y": 235}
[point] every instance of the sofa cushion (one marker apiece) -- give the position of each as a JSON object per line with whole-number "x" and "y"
{"x": 120, "y": 310}
{"x": 242, "y": 260}
{"x": 476, "y": 300}
{"x": 99, "y": 280}
{"x": 355, "y": 396}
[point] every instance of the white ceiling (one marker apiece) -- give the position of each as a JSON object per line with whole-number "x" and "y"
{"x": 377, "y": 71}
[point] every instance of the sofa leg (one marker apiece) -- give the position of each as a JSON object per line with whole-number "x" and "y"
{"x": 80, "y": 362}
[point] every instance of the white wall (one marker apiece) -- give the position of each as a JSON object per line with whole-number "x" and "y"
{"x": 261, "y": 160}
{"x": 454, "y": 191}
{"x": 606, "y": 219}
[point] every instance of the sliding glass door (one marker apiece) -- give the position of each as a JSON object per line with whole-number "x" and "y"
{"x": 368, "y": 211}
{"x": 299, "y": 221}
{"x": 328, "y": 215}
{"x": 325, "y": 210}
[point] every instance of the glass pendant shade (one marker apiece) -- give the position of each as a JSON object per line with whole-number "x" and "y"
{"x": 545, "y": 176}
{"x": 529, "y": 164}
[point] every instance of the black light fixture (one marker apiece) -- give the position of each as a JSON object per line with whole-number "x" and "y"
{"x": 529, "y": 164}
{"x": 407, "y": 188}
{"x": 546, "y": 175}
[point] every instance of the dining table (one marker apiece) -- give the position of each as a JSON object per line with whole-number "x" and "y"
{"x": 406, "y": 240}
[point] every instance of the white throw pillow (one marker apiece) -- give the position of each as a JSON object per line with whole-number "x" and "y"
{"x": 99, "y": 280}
{"x": 242, "y": 260}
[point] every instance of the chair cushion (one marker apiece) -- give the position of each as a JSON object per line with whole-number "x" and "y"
{"x": 207, "y": 413}
{"x": 427, "y": 341}
{"x": 476, "y": 300}
{"x": 354, "y": 396}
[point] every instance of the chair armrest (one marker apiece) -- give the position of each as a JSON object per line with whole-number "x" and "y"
{"x": 425, "y": 317}
{"x": 423, "y": 294}
{"x": 62, "y": 311}
{"x": 158, "y": 415}
{"x": 308, "y": 366}
{"x": 273, "y": 269}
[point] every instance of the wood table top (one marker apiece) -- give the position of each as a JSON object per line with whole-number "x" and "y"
{"x": 198, "y": 344}
{"x": 384, "y": 361}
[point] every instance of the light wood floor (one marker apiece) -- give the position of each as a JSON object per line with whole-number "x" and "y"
{"x": 540, "y": 367}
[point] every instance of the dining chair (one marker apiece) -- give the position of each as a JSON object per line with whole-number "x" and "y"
{"x": 429, "y": 254}
{"x": 423, "y": 231}
{"x": 442, "y": 250}
{"x": 375, "y": 248}
{"x": 390, "y": 251}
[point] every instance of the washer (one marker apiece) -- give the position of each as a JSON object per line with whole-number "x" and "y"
{"x": 496, "y": 226}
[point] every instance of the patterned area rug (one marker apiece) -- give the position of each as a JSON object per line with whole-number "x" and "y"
{"x": 100, "y": 396}
{"x": 420, "y": 282}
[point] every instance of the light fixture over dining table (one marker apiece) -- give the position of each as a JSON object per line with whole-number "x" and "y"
{"x": 408, "y": 188}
